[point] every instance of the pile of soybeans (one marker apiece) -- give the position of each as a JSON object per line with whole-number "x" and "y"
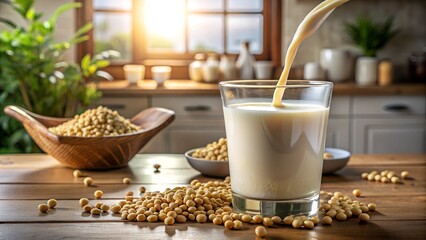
{"x": 217, "y": 150}
{"x": 96, "y": 122}
{"x": 212, "y": 202}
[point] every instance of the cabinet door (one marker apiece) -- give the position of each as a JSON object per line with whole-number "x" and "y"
{"x": 157, "y": 144}
{"x": 338, "y": 133}
{"x": 125, "y": 106}
{"x": 180, "y": 140}
{"x": 191, "y": 107}
{"x": 389, "y": 135}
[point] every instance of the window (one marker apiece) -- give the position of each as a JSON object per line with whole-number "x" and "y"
{"x": 170, "y": 32}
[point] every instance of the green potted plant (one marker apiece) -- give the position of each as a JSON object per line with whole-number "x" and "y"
{"x": 33, "y": 74}
{"x": 370, "y": 37}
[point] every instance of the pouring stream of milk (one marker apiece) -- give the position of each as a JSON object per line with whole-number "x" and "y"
{"x": 308, "y": 26}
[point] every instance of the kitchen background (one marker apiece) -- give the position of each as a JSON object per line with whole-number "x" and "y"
{"x": 357, "y": 123}
{"x": 410, "y": 16}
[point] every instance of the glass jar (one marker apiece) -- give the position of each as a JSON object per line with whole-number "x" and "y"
{"x": 417, "y": 67}
{"x": 211, "y": 68}
{"x": 196, "y": 67}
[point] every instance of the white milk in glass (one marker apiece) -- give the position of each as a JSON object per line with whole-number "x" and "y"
{"x": 284, "y": 145}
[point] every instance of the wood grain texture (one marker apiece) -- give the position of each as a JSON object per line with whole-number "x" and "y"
{"x": 184, "y": 87}
{"x": 92, "y": 152}
{"x": 28, "y": 180}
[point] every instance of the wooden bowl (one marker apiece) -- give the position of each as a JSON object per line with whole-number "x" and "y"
{"x": 92, "y": 152}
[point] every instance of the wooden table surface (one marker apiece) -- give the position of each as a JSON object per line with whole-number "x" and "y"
{"x": 28, "y": 180}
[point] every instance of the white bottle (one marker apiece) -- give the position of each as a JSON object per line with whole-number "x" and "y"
{"x": 227, "y": 68}
{"x": 245, "y": 62}
{"x": 211, "y": 68}
{"x": 196, "y": 67}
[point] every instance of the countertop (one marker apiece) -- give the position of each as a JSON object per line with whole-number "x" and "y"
{"x": 28, "y": 180}
{"x": 184, "y": 87}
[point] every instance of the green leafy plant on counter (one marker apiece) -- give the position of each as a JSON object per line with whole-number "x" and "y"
{"x": 369, "y": 35}
{"x": 34, "y": 76}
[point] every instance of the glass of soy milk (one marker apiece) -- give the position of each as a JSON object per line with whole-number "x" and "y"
{"x": 276, "y": 152}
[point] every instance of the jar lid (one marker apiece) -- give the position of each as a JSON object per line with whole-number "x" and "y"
{"x": 200, "y": 56}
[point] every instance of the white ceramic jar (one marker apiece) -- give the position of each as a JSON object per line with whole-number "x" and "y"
{"x": 161, "y": 73}
{"x": 312, "y": 71}
{"x": 133, "y": 73}
{"x": 263, "y": 69}
{"x": 211, "y": 69}
{"x": 366, "y": 71}
{"x": 227, "y": 68}
{"x": 196, "y": 67}
{"x": 336, "y": 63}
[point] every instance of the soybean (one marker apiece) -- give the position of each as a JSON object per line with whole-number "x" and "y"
{"x": 43, "y": 208}
{"x": 51, "y": 203}
{"x": 237, "y": 224}
{"x": 95, "y": 211}
{"x": 356, "y": 192}
{"x": 169, "y": 221}
{"x": 267, "y": 222}
{"x": 364, "y": 217}
{"x": 88, "y": 181}
{"x": 77, "y": 173}
{"x": 229, "y": 224}
{"x": 405, "y": 174}
{"x": 83, "y": 202}
{"x": 98, "y": 194}
{"x": 126, "y": 180}
{"x": 327, "y": 220}
{"x": 260, "y": 231}
{"x": 308, "y": 224}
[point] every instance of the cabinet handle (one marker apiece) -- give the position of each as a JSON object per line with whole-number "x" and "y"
{"x": 115, "y": 106}
{"x": 197, "y": 108}
{"x": 396, "y": 108}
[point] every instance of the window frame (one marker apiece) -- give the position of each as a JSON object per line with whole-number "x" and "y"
{"x": 179, "y": 61}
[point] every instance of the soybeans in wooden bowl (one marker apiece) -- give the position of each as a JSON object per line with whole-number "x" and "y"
{"x": 87, "y": 142}
{"x": 211, "y": 160}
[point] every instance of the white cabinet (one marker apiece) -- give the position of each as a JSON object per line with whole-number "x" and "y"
{"x": 126, "y": 106}
{"x": 339, "y": 123}
{"x": 389, "y": 135}
{"x": 360, "y": 124}
{"x": 199, "y": 120}
{"x": 338, "y": 133}
{"x": 389, "y": 124}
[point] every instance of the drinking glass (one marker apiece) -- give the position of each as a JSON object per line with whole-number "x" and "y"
{"x": 276, "y": 153}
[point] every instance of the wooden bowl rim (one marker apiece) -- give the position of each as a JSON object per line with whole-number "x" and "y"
{"x": 27, "y": 117}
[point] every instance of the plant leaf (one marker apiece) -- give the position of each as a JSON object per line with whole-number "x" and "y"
{"x": 60, "y": 10}
{"x": 105, "y": 75}
{"x": 102, "y": 63}
{"x": 83, "y": 30}
{"x": 85, "y": 62}
{"x": 8, "y": 22}
{"x": 30, "y": 14}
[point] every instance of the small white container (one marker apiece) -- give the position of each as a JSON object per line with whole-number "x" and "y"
{"x": 366, "y": 71}
{"x": 161, "y": 73}
{"x": 263, "y": 69}
{"x": 134, "y": 73}
{"x": 312, "y": 71}
{"x": 211, "y": 69}
{"x": 336, "y": 63}
{"x": 196, "y": 67}
{"x": 227, "y": 68}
